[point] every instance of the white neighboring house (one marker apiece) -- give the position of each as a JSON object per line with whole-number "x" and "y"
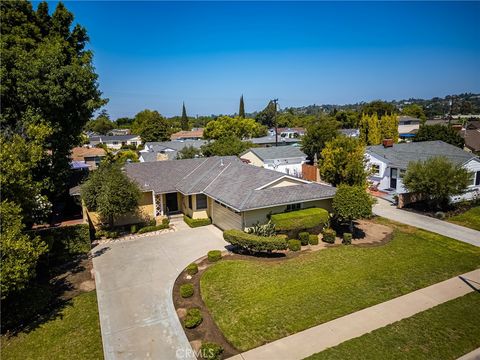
{"x": 389, "y": 163}
{"x": 115, "y": 141}
{"x": 166, "y": 150}
{"x": 284, "y": 159}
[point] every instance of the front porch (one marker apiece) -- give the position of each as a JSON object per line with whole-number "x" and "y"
{"x": 196, "y": 206}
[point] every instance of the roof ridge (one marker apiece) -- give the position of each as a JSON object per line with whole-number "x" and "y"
{"x": 216, "y": 177}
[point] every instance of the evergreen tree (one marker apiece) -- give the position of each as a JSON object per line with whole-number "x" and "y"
{"x": 241, "y": 110}
{"x": 374, "y": 134}
{"x": 184, "y": 120}
{"x": 389, "y": 127}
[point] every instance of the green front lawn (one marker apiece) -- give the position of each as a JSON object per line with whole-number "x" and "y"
{"x": 72, "y": 334}
{"x": 255, "y": 302}
{"x": 470, "y": 218}
{"x": 447, "y": 331}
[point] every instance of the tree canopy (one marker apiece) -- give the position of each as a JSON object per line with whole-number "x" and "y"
{"x": 225, "y": 146}
{"x": 379, "y": 108}
{"x": 225, "y": 126}
{"x": 189, "y": 152}
{"x": 439, "y": 132}
{"x": 323, "y": 130}
{"x": 101, "y": 125}
{"x": 351, "y": 203}
{"x": 266, "y": 117}
{"x": 373, "y": 129}
{"x": 184, "y": 119}
{"x": 151, "y": 126}
{"x": 414, "y": 110}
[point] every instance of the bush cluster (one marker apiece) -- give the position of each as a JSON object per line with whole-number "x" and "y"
{"x": 147, "y": 229}
{"x": 347, "y": 238}
{"x": 304, "y": 237}
{"x": 329, "y": 236}
{"x": 214, "y": 255}
{"x": 300, "y": 219}
{"x": 193, "y": 223}
{"x": 313, "y": 239}
{"x": 192, "y": 269}
{"x": 109, "y": 234}
{"x": 255, "y": 243}
{"x": 193, "y": 318}
{"x": 294, "y": 245}
{"x": 267, "y": 229}
{"x": 186, "y": 290}
{"x": 211, "y": 351}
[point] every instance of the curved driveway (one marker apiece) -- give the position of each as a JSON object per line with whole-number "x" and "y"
{"x": 134, "y": 282}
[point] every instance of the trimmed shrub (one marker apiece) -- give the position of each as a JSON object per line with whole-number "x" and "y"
{"x": 347, "y": 238}
{"x": 294, "y": 245}
{"x": 133, "y": 229}
{"x": 313, "y": 239}
{"x": 165, "y": 221}
{"x": 192, "y": 269}
{"x": 300, "y": 219}
{"x": 109, "y": 234}
{"x": 440, "y": 215}
{"x": 186, "y": 290}
{"x": 147, "y": 229}
{"x": 303, "y": 237}
{"x": 253, "y": 242}
{"x": 193, "y": 223}
{"x": 211, "y": 351}
{"x": 214, "y": 255}
{"x": 329, "y": 236}
{"x": 267, "y": 229}
{"x": 193, "y": 318}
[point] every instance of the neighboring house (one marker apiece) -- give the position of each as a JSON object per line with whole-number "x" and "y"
{"x": 119, "y": 132}
{"x": 408, "y": 127}
{"x": 233, "y": 194}
{"x": 472, "y": 139}
{"x": 83, "y": 157}
{"x": 269, "y": 140}
{"x": 353, "y": 133}
{"x": 285, "y": 159}
{"x": 166, "y": 150}
{"x": 389, "y": 164}
{"x": 290, "y": 132}
{"x": 115, "y": 141}
{"x": 194, "y": 134}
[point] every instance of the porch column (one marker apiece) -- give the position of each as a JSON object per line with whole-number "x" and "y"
{"x": 161, "y": 204}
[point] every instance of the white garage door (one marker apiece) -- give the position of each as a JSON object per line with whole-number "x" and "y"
{"x": 225, "y": 218}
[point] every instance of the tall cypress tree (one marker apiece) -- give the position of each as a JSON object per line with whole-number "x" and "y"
{"x": 184, "y": 120}
{"x": 241, "y": 110}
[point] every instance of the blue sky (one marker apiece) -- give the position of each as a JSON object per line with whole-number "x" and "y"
{"x": 158, "y": 54}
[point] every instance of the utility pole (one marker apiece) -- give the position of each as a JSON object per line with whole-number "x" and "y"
{"x": 275, "y": 101}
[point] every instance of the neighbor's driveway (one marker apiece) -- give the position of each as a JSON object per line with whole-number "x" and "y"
{"x": 134, "y": 282}
{"x": 388, "y": 210}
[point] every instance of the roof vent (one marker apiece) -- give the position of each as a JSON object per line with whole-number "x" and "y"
{"x": 221, "y": 162}
{"x": 387, "y": 143}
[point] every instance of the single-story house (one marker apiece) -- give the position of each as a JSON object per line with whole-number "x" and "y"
{"x": 285, "y": 159}
{"x": 389, "y": 163}
{"x": 408, "y": 126}
{"x": 291, "y": 133}
{"x": 115, "y": 141}
{"x": 89, "y": 157}
{"x": 194, "y": 134}
{"x": 233, "y": 194}
{"x": 119, "y": 132}
{"x": 166, "y": 150}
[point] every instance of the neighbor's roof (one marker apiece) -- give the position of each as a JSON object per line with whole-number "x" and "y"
{"x": 401, "y": 155}
{"x": 79, "y": 153}
{"x": 105, "y": 138}
{"x": 194, "y": 133}
{"x": 175, "y": 144}
{"x": 277, "y": 152}
{"x": 270, "y": 139}
{"x": 225, "y": 179}
{"x": 472, "y": 139}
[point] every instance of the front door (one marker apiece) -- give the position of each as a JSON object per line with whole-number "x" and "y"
{"x": 172, "y": 202}
{"x": 393, "y": 178}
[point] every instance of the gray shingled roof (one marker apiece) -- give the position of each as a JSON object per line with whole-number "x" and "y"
{"x": 400, "y": 155}
{"x": 277, "y": 152}
{"x": 175, "y": 144}
{"x": 112, "y": 137}
{"x": 226, "y": 179}
{"x": 271, "y": 140}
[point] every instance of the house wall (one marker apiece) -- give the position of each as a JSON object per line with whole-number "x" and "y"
{"x": 285, "y": 182}
{"x": 254, "y": 159}
{"x": 193, "y": 212}
{"x": 473, "y": 192}
{"x": 383, "y": 175}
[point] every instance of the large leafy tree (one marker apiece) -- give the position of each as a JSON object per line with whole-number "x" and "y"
{"x": 151, "y": 126}
{"x": 225, "y": 146}
{"x": 379, "y": 108}
{"x": 323, "y": 130}
{"x": 19, "y": 253}
{"x": 348, "y": 119}
{"x": 225, "y": 126}
{"x": 370, "y": 131}
{"x": 436, "y": 180}
{"x": 343, "y": 162}
{"x": 110, "y": 192}
{"x": 414, "y": 110}
{"x": 46, "y": 71}
{"x": 266, "y": 117}
{"x": 184, "y": 119}
{"x": 101, "y": 125}
{"x": 189, "y": 152}
{"x": 439, "y": 132}
{"x": 389, "y": 127}
{"x": 351, "y": 203}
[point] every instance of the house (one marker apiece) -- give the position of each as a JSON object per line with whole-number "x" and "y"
{"x": 472, "y": 139}
{"x": 270, "y": 140}
{"x": 115, "y": 141}
{"x": 388, "y": 162}
{"x": 119, "y": 132}
{"x": 166, "y": 150}
{"x": 285, "y": 159}
{"x": 89, "y": 158}
{"x": 233, "y": 194}
{"x": 408, "y": 126}
{"x": 290, "y": 132}
{"x": 194, "y": 134}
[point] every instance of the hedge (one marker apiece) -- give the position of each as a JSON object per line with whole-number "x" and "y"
{"x": 304, "y": 237}
{"x": 313, "y": 239}
{"x": 329, "y": 236}
{"x": 147, "y": 229}
{"x": 65, "y": 242}
{"x": 193, "y": 223}
{"x": 253, "y": 242}
{"x": 300, "y": 219}
{"x": 294, "y": 245}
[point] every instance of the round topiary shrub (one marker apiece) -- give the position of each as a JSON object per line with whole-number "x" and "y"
{"x": 294, "y": 245}
{"x": 313, "y": 239}
{"x": 440, "y": 215}
{"x": 303, "y": 237}
{"x": 347, "y": 238}
{"x": 193, "y": 318}
{"x": 211, "y": 351}
{"x": 329, "y": 236}
{"x": 214, "y": 255}
{"x": 192, "y": 269}
{"x": 186, "y": 290}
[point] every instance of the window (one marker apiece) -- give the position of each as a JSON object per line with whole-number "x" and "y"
{"x": 201, "y": 201}
{"x": 115, "y": 142}
{"x": 375, "y": 169}
{"x": 134, "y": 143}
{"x": 477, "y": 178}
{"x": 190, "y": 201}
{"x": 292, "y": 207}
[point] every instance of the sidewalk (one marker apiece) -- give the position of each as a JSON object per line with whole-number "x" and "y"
{"x": 387, "y": 210}
{"x": 316, "y": 339}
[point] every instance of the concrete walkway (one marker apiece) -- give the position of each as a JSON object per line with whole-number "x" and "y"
{"x": 387, "y": 210}
{"x": 316, "y": 339}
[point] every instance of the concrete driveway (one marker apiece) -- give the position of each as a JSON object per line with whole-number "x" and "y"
{"x": 388, "y": 210}
{"x": 134, "y": 282}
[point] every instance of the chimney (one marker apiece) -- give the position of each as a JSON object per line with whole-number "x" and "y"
{"x": 387, "y": 143}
